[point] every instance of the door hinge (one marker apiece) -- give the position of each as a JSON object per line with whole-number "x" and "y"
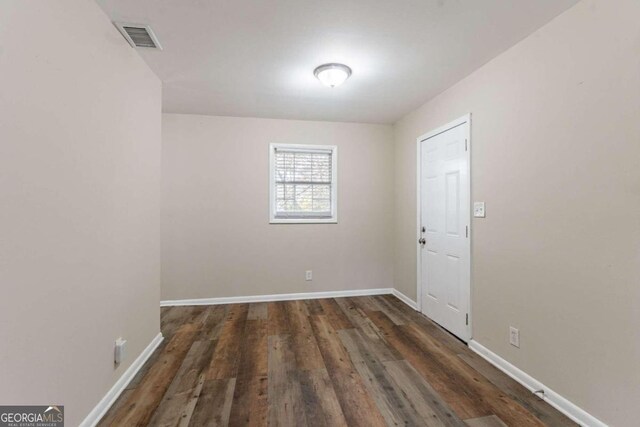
{"x": 467, "y": 231}
{"x": 467, "y": 319}
{"x": 466, "y": 148}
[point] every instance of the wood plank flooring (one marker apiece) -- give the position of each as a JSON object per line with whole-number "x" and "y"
{"x": 363, "y": 361}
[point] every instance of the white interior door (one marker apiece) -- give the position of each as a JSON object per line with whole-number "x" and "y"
{"x": 444, "y": 235}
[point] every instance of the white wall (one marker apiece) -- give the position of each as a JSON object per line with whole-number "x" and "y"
{"x": 217, "y": 240}
{"x": 79, "y": 196}
{"x": 556, "y": 157}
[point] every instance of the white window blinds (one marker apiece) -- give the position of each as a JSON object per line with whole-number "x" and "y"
{"x": 303, "y": 182}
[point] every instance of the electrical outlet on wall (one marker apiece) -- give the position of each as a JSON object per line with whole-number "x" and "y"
{"x": 514, "y": 337}
{"x": 119, "y": 351}
{"x": 308, "y": 276}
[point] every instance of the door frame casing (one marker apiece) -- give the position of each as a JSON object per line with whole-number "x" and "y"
{"x": 455, "y": 123}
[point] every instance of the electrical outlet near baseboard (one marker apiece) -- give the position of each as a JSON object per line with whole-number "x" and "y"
{"x": 119, "y": 351}
{"x": 514, "y": 337}
{"x": 308, "y": 275}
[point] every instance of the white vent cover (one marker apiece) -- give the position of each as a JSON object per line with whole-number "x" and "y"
{"x": 138, "y": 35}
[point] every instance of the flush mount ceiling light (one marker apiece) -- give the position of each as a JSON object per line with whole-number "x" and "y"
{"x": 332, "y": 75}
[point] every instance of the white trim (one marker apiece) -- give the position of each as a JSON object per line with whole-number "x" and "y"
{"x": 455, "y": 123}
{"x": 105, "y": 403}
{"x": 332, "y": 220}
{"x": 418, "y": 224}
{"x": 405, "y": 299}
{"x": 554, "y": 399}
{"x": 277, "y": 297}
{"x": 452, "y": 124}
{"x": 333, "y": 149}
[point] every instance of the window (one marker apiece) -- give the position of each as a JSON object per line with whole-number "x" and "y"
{"x": 303, "y": 183}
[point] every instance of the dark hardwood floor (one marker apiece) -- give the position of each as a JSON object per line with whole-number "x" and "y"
{"x": 364, "y": 361}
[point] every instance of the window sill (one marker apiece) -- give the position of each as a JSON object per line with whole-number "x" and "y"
{"x": 303, "y": 221}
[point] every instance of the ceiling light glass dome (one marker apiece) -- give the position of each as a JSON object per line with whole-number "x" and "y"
{"x": 332, "y": 75}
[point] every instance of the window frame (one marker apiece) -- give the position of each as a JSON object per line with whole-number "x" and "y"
{"x": 273, "y": 219}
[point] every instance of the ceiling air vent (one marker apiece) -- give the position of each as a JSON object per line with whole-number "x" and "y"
{"x": 138, "y": 35}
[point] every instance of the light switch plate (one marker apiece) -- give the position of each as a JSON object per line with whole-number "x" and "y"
{"x": 478, "y": 210}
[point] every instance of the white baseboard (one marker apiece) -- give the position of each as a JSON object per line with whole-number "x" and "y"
{"x": 563, "y": 405}
{"x": 405, "y": 299}
{"x": 105, "y": 403}
{"x": 277, "y": 297}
